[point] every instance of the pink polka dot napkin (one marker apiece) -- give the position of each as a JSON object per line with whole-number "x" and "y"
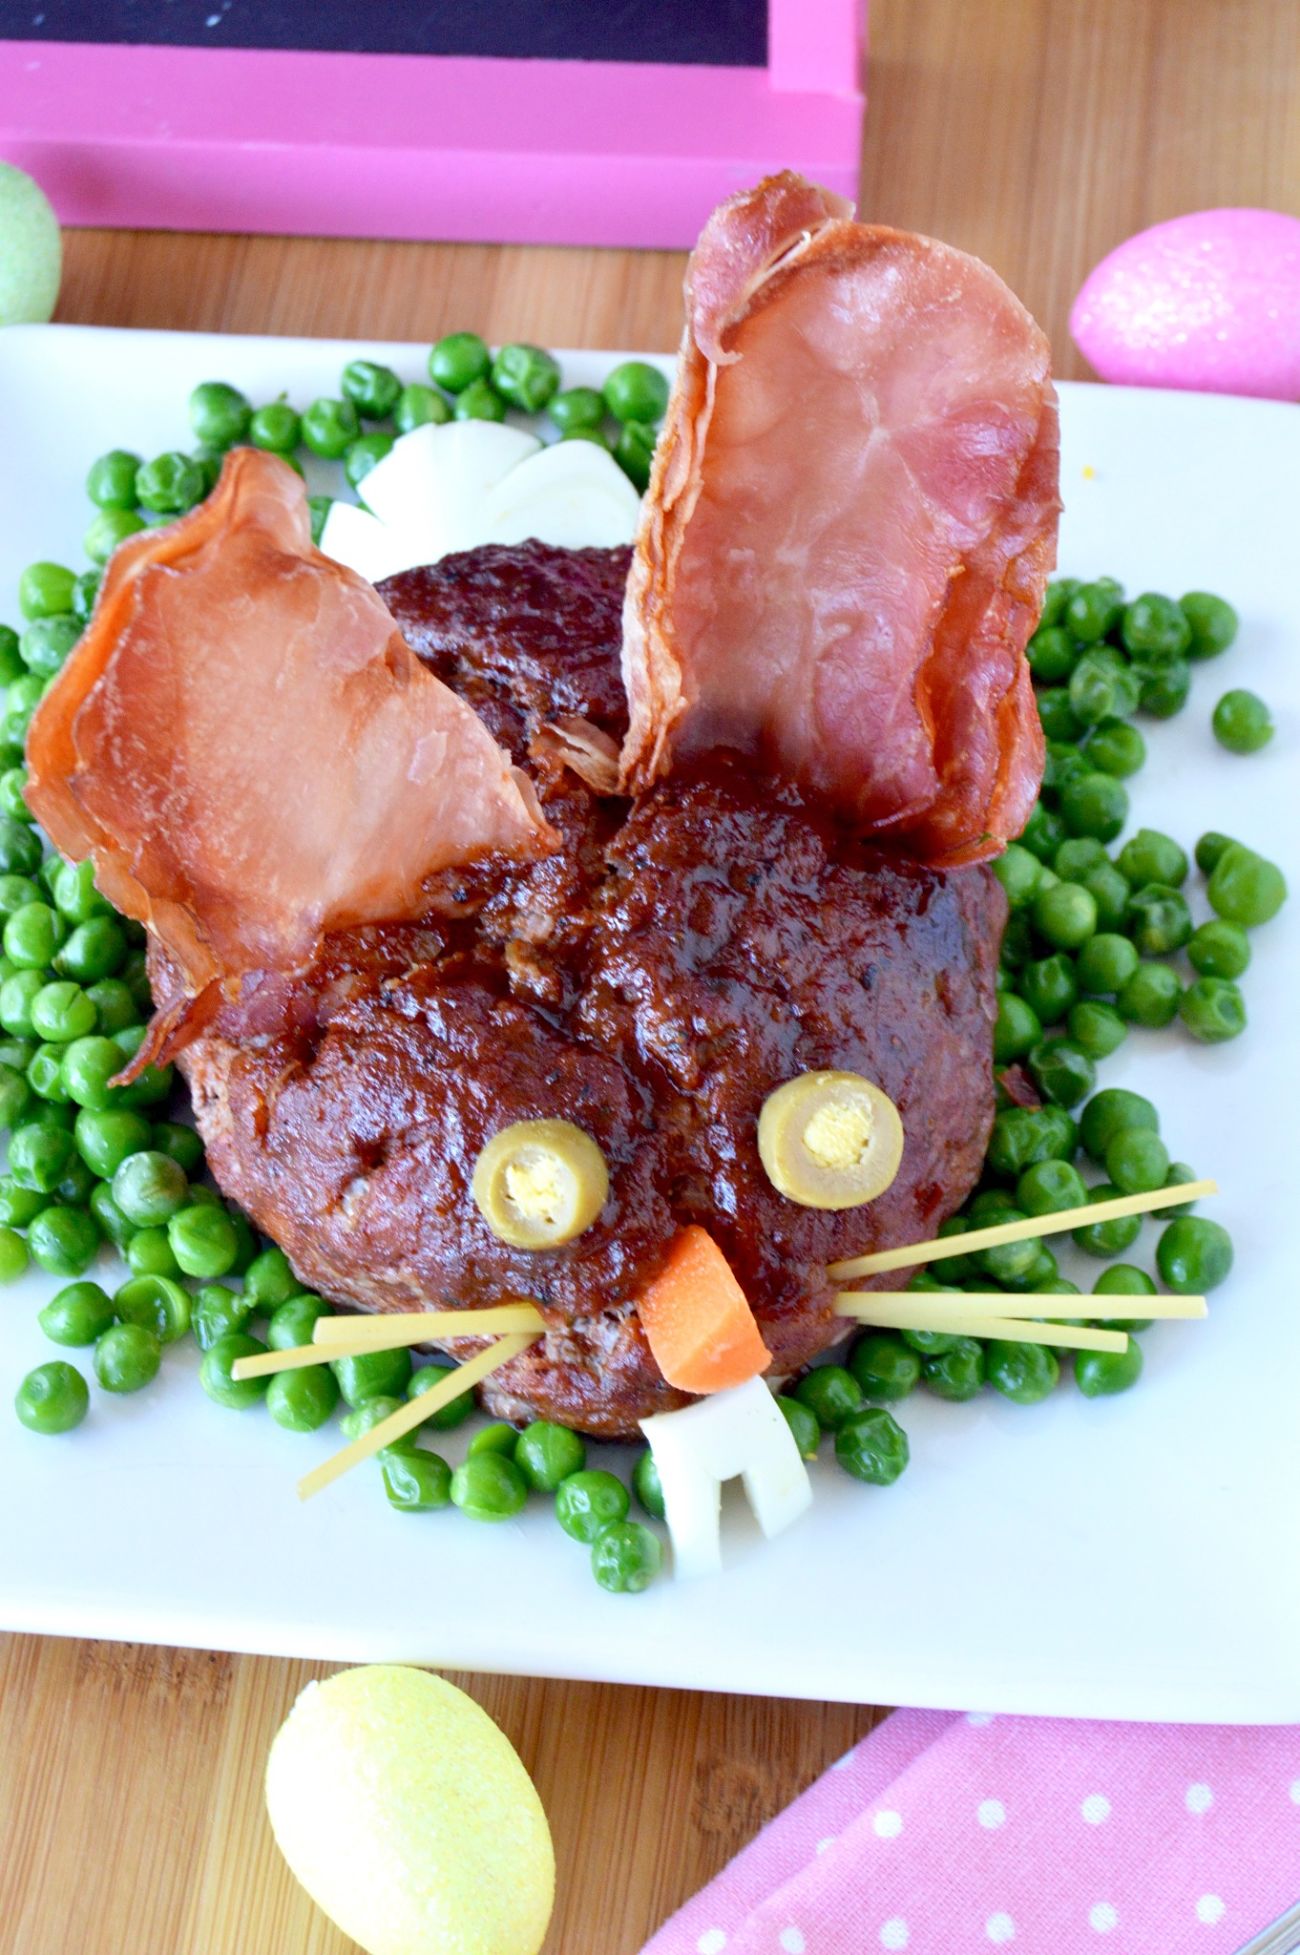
{"x": 945, "y": 1834}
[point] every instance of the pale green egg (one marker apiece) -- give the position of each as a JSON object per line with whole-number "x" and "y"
{"x": 31, "y": 250}
{"x": 408, "y": 1817}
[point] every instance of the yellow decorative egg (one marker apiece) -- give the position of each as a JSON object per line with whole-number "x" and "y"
{"x": 408, "y": 1817}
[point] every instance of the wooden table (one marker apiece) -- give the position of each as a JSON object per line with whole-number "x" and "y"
{"x": 1036, "y": 133}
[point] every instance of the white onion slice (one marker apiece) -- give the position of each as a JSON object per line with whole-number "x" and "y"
{"x": 433, "y": 480}
{"x": 573, "y": 495}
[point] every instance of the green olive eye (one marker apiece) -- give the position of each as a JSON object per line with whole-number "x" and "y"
{"x": 539, "y": 1183}
{"x": 830, "y": 1140}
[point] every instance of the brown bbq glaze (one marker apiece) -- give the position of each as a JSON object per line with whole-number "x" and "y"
{"x": 677, "y": 960}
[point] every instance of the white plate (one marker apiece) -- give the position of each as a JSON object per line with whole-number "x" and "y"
{"x": 1133, "y": 1557}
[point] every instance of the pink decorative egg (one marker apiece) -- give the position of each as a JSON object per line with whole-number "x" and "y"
{"x": 1210, "y": 301}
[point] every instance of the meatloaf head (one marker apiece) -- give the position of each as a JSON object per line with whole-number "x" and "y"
{"x": 677, "y": 960}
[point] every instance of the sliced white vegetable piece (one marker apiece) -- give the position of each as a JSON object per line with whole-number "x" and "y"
{"x": 573, "y": 494}
{"x": 737, "y": 1433}
{"x": 433, "y": 480}
{"x": 357, "y": 539}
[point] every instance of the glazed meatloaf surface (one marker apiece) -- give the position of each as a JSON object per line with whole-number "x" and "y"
{"x": 653, "y": 982}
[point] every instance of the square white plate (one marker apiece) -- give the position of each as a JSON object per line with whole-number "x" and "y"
{"x": 1134, "y": 1557}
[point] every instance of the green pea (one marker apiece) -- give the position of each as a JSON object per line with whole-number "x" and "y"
{"x": 831, "y": 1392}
{"x": 547, "y": 1454}
{"x": 45, "y": 589}
{"x": 805, "y": 1429}
{"x": 956, "y": 1374}
{"x": 1150, "y": 857}
{"x": 1020, "y": 873}
{"x": 86, "y": 1069}
{"x": 216, "y": 1312}
{"x": 31, "y": 937}
{"x": 885, "y": 1368}
{"x": 113, "y": 1225}
{"x": 1022, "y": 1135}
{"x": 110, "y": 483}
{"x": 301, "y": 1401}
{"x": 458, "y": 360}
{"x": 626, "y": 1557}
{"x": 1048, "y": 1187}
{"x": 15, "y": 891}
{"x": 158, "y": 1303}
{"x": 203, "y": 1241}
{"x": 1024, "y": 1373}
{"x": 1178, "y": 1176}
{"x": 1049, "y": 987}
{"x": 525, "y": 376}
{"x": 367, "y": 1374}
{"x": 1065, "y": 915}
{"x": 1137, "y": 1161}
{"x": 1102, "y": 687}
{"x": 372, "y": 1412}
{"x": 1244, "y": 887}
{"x": 1043, "y": 833}
{"x": 318, "y": 508}
{"x": 496, "y": 1437}
{"x": 329, "y": 427}
{"x": 490, "y": 1487}
{"x": 1094, "y": 610}
{"x": 276, "y": 427}
{"x": 1012, "y": 1264}
{"x": 1213, "y": 1010}
{"x": 1194, "y": 1255}
{"x": 1057, "y": 596}
{"x": 588, "y": 1502}
{"x": 63, "y": 1240}
{"x": 1018, "y": 1028}
{"x": 93, "y": 950}
{"x": 415, "y": 1482}
{"x": 52, "y": 1398}
{"x": 989, "y": 1207}
{"x": 169, "y": 484}
{"x": 293, "y": 1324}
{"x": 11, "y": 666}
{"x": 15, "y": 1095}
{"x": 270, "y": 1281}
{"x": 1099, "y": 1374}
{"x": 208, "y": 462}
{"x": 13, "y": 785}
{"x": 214, "y": 1372}
{"x": 419, "y": 406}
{"x": 1219, "y": 950}
{"x": 1096, "y": 1028}
{"x": 18, "y": 1206}
{"x": 115, "y": 1008}
{"x": 219, "y": 413}
{"x": 1110, "y": 1112}
{"x": 127, "y": 1358}
{"x": 634, "y": 451}
{"x": 1052, "y": 654}
{"x": 1164, "y": 687}
{"x": 1242, "y": 722}
{"x": 1151, "y": 996}
{"x": 373, "y": 389}
{"x": 1057, "y": 716}
{"x": 149, "y": 1188}
{"x": 107, "y": 530}
{"x": 1117, "y": 748}
{"x": 363, "y": 454}
{"x": 636, "y": 391}
{"x": 84, "y": 593}
{"x": 872, "y": 1446}
{"x": 73, "y": 892}
{"x": 77, "y": 1314}
{"x": 45, "y": 644}
{"x": 456, "y": 1411}
{"x": 1155, "y": 628}
{"x": 1122, "y": 1279}
{"x": 1095, "y": 804}
{"x": 45, "y": 1074}
{"x": 1062, "y": 1071}
{"x": 38, "y": 1156}
{"x": 1212, "y": 621}
{"x": 61, "y": 1011}
{"x": 1107, "y": 1239}
{"x": 577, "y": 410}
{"x": 1159, "y": 920}
{"x": 480, "y": 401}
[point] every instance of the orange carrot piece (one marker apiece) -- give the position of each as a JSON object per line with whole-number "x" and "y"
{"x": 698, "y": 1324}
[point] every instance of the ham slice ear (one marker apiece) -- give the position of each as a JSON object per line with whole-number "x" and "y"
{"x": 849, "y": 526}
{"x": 251, "y": 753}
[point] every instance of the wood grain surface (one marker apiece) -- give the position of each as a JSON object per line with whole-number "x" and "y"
{"x": 1037, "y": 133}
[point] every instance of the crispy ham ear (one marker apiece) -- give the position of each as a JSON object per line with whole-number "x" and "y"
{"x": 251, "y": 753}
{"x": 849, "y": 526}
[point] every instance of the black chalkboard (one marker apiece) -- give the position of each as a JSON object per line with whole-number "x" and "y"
{"x": 712, "y": 33}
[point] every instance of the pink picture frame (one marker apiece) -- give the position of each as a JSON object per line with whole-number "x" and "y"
{"x": 414, "y": 146}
